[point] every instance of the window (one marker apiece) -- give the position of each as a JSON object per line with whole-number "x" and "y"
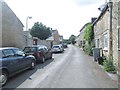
{"x": 119, "y": 38}
{"x": 40, "y": 49}
{"x": 46, "y": 48}
{"x": 8, "y": 53}
{"x": 2, "y": 55}
{"x": 18, "y": 52}
{"x": 106, "y": 41}
{"x": 30, "y": 49}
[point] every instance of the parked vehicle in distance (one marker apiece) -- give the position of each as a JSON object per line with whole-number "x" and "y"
{"x": 65, "y": 45}
{"x": 41, "y": 52}
{"x": 13, "y": 61}
{"x": 57, "y": 48}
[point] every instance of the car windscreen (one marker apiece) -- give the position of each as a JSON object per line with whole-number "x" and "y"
{"x": 1, "y": 54}
{"x": 30, "y": 49}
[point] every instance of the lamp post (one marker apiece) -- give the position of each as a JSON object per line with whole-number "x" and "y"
{"x": 27, "y": 22}
{"x": 27, "y": 36}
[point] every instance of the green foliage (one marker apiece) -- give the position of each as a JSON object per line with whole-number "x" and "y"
{"x": 88, "y": 50}
{"x": 89, "y": 33}
{"x": 67, "y": 41}
{"x": 108, "y": 66}
{"x": 88, "y": 36}
{"x": 41, "y": 31}
{"x": 72, "y": 39}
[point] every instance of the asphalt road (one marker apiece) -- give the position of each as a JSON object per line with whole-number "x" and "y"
{"x": 71, "y": 69}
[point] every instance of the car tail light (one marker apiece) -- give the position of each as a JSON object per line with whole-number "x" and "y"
{"x": 37, "y": 54}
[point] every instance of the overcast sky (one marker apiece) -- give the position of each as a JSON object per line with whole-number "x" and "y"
{"x": 67, "y": 16}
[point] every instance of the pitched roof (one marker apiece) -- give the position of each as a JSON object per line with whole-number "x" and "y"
{"x": 84, "y": 27}
{"x": 103, "y": 11}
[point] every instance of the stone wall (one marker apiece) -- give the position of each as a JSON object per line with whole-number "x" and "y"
{"x": 103, "y": 25}
{"x": 12, "y": 29}
{"x": 56, "y": 37}
{"x": 44, "y": 42}
{"x": 0, "y": 23}
{"x": 115, "y": 32}
{"x": 100, "y": 28}
{"x": 119, "y": 36}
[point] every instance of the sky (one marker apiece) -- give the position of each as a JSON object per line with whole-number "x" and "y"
{"x": 67, "y": 16}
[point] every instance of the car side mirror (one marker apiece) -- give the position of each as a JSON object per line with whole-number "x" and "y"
{"x": 24, "y": 55}
{"x": 49, "y": 49}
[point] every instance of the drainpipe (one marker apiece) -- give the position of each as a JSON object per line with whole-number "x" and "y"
{"x": 110, "y": 32}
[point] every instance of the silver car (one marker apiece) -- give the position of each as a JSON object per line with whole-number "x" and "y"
{"x": 57, "y": 48}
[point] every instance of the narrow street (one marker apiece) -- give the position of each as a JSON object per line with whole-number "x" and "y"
{"x": 71, "y": 69}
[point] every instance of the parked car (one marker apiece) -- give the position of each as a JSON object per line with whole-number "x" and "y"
{"x": 65, "y": 45}
{"x": 12, "y": 61}
{"x": 41, "y": 52}
{"x": 57, "y": 48}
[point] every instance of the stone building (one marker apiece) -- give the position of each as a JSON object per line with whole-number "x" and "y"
{"x": 106, "y": 31}
{"x": 61, "y": 39}
{"x": 12, "y": 28}
{"x": 80, "y": 40}
{"x": 56, "y": 37}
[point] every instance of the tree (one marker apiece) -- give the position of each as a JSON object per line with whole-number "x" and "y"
{"x": 72, "y": 39}
{"x": 41, "y": 31}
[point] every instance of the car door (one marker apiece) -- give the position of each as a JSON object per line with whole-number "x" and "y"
{"x": 47, "y": 52}
{"x": 23, "y": 61}
{"x": 12, "y": 63}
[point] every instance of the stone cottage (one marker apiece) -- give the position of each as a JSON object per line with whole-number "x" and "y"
{"x": 106, "y": 29}
{"x": 81, "y": 36}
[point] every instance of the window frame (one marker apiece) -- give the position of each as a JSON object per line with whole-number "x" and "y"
{"x": 8, "y": 55}
{"x": 17, "y": 54}
{"x": 105, "y": 41}
{"x": 119, "y": 39}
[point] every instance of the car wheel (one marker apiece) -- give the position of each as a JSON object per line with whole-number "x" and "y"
{"x": 32, "y": 65}
{"x": 51, "y": 56}
{"x": 43, "y": 59}
{"x": 3, "y": 78}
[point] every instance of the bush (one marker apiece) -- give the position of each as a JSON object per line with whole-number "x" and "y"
{"x": 108, "y": 66}
{"x": 88, "y": 50}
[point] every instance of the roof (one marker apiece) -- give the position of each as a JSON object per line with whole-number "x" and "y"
{"x": 50, "y": 38}
{"x": 36, "y": 46}
{"x": 84, "y": 27}
{"x": 103, "y": 11}
{"x": 1, "y": 48}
